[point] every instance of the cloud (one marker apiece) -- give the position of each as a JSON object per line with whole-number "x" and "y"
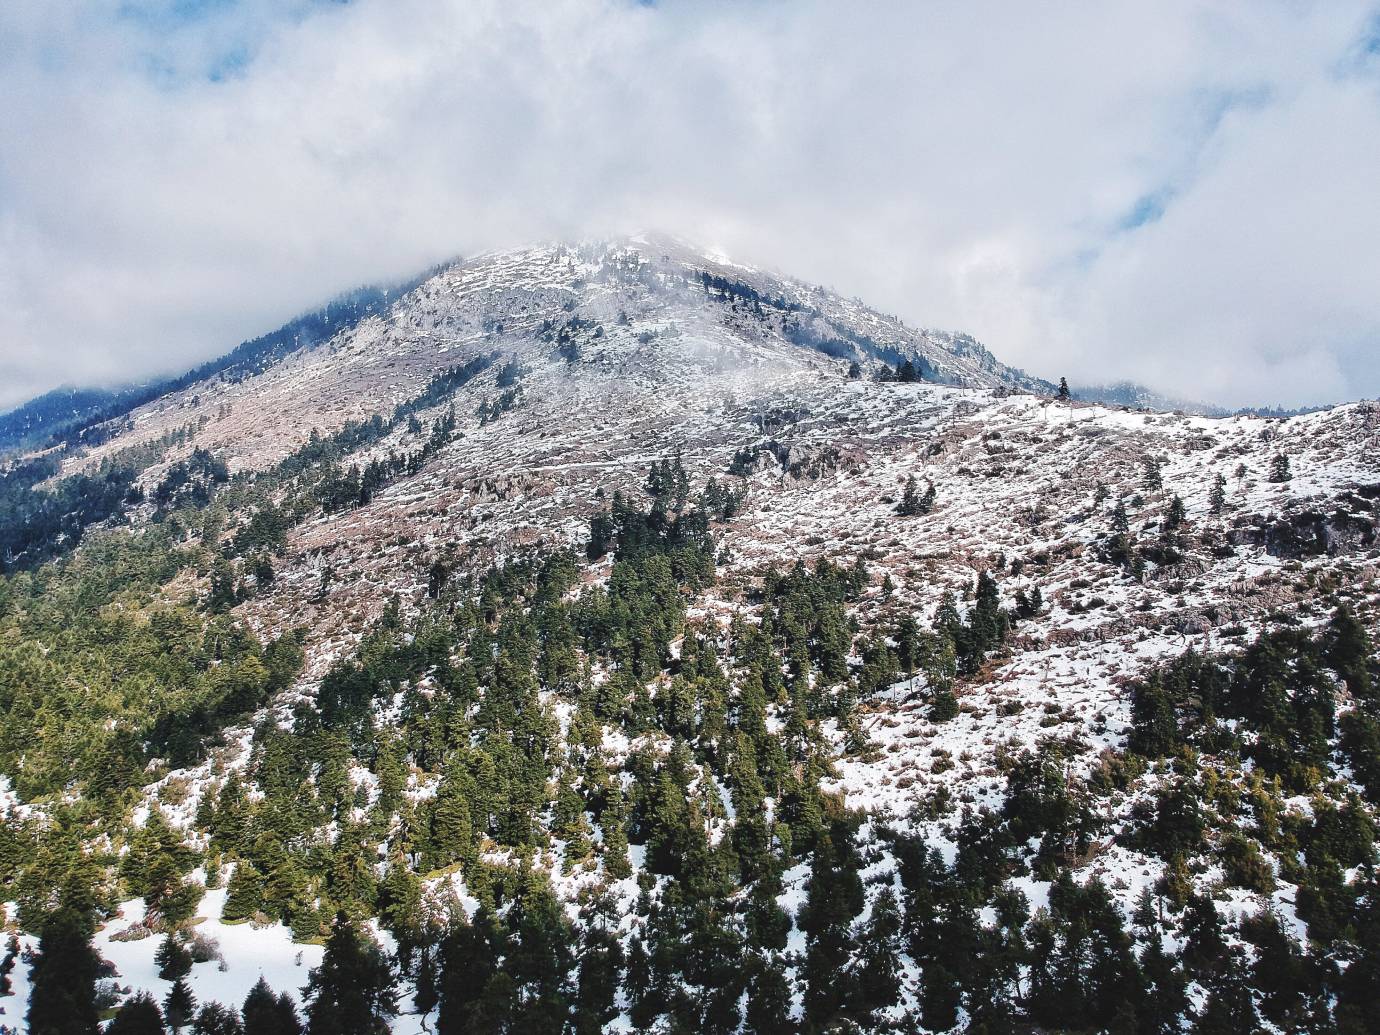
{"x": 1181, "y": 194}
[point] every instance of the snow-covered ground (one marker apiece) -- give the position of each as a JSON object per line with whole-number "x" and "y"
{"x": 1024, "y": 486}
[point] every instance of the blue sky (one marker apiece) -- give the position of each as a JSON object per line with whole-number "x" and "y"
{"x": 1179, "y": 193}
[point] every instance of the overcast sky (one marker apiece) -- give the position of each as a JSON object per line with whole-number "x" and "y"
{"x": 1181, "y": 193}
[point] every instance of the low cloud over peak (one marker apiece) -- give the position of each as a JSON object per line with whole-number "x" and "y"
{"x": 1182, "y": 195}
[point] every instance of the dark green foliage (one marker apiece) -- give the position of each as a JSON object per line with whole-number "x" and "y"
{"x": 1279, "y": 468}
{"x": 1082, "y": 969}
{"x": 1279, "y": 686}
{"x": 267, "y": 1014}
{"x": 37, "y": 524}
{"x": 179, "y": 1005}
{"x": 1217, "y": 495}
{"x": 353, "y": 988}
{"x": 138, "y": 1015}
{"x": 173, "y": 959}
{"x": 913, "y": 501}
{"x": 63, "y": 972}
{"x": 835, "y": 897}
{"x": 214, "y": 1019}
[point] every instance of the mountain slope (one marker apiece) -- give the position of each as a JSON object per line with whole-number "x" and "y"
{"x": 587, "y": 591}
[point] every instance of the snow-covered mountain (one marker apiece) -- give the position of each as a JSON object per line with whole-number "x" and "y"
{"x": 516, "y": 393}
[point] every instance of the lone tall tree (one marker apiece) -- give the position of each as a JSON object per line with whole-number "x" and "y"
{"x": 62, "y": 995}
{"x": 1064, "y": 394}
{"x": 1279, "y": 468}
{"x": 353, "y": 989}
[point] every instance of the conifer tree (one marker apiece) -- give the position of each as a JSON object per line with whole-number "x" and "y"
{"x": 63, "y": 973}
{"x": 1174, "y": 516}
{"x": 833, "y": 899}
{"x": 215, "y": 1019}
{"x": 138, "y": 1015}
{"x": 353, "y": 988}
{"x": 1217, "y": 495}
{"x": 7, "y": 965}
{"x": 910, "y": 498}
{"x": 173, "y": 959}
{"x": 1151, "y": 478}
{"x": 244, "y": 896}
{"x": 1064, "y": 394}
{"x": 1279, "y": 468}
{"x": 469, "y": 959}
{"x": 179, "y": 1005}
{"x": 267, "y": 1014}
{"x": 879, "y": 975}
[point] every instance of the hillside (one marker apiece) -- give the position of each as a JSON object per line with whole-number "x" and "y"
{"x": 626, "y": 639}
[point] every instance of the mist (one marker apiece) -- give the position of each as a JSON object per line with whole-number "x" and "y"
{"x": 1181, "y": 195}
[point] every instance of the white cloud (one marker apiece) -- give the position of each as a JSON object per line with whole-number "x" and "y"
{"x": 970, "y": 166}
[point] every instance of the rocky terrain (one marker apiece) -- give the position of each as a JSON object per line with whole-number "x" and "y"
{"x": 594, "y": 362}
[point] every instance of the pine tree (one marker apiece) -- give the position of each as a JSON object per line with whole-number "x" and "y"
{"x": 173, "y": 959}
{"x": 179, "y": 1005}
{"x": 267, "y": 1014}
{"x": 1064, "y": 394}
{"x": 1279, "y": 468}
{"x": 1217, "y": 495}
{"x": 62, "y": 975}
{"x": 138, "y": 1015}
{"x": 215, "y": 1019}
{"x": 353, "y": 988}
{"x": 854, "y": 371}
{"x": 834, "y": 897}
{"x": 910, "y": 498}
{"x": 1174, "y": 517}
{"x": 244, "y": 896}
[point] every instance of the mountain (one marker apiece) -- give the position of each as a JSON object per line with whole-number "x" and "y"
{"x": 605, "y": 637}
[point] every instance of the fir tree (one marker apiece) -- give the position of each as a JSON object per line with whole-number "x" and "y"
{"x": 1151, "y": 478}
{"x": 833, "y": 899}
{"x": 879, "y": 973}
{"x": 1217, "y": 495}
{"x": 910, "y": 498}
{"x": 244, "y": 896}
{"x": 138, "y": 1015}
{"x": 173, "y": 959}
{"x": 215, "y": 1019}
{"x": 769, "y": 998}
{"x": 1174, "y": 516}
{"x": 353, "y": 988}
{"x": 1279, "y": 468}
{"x": 267, "y": 1014}
{"x": 7, "y": 965}
{"x": 63, "y": 973}
{"x": 1064, "y": 394}
{"x": 179, "y": 1005}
